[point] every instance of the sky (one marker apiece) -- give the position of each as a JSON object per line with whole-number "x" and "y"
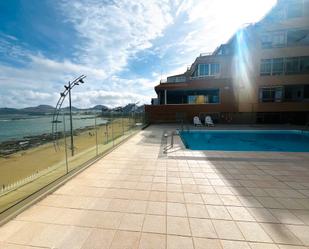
{"x": 124, "y": 47}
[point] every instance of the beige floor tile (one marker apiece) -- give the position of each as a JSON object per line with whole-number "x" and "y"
{"x": 218, "y": 212}
{"x": 269, "y": 202}
{"x": 207, "y": 189}
{"x": 126, "y": 240}
{"x": 291, "y": 247}
{"x": 46, "y": 238}
{"x": 158, "y": 186}
{"x": 290, "y": 203}
{"x": 75, "y": 238}
{"x": 280, "y": 234}
{"x": 240, "y": 214}
{"x": 179, "y": 242}
{"x": 100, "y": 204}
{"x": 253, "y": 232}
{"x": 223, "y": 190}
{"x": 156, "y": 207}
{"x": 230, "y": 244}
{"x": 286, "y": 217}
{"x": 262, "y": 215}
{"x": 174, "y": 188}
{"x": 137, "y": 206}
{"x": 263, "y": 246}
{"x": 175, "y": 197}
{"x": 119, "y": 205}
{"x": 190, "y": 188}
{"x": 197, "y": 211}
{"x": 109, "y": 220}
{"x": 303, "y": 215}
{"x": 178, "y": 226}
{"x": 249, "y": 201}
{"x": 230, "y": 200}
{"x": 154, "y": 224}
{"x": 227, "y": 230}
{"x": 27, "y": 233}
{"x": 176, "y": 209}
{"x": 193, "y": 198}
{"x": 152, "y": 241}
{"x": 301, "y": 232}
{"x": 98, "y": 239}
{"x": 212, "y": 199}
{"x": 132, "y": 222}
{"x": 10, "y": 229}
{"x": 157, "y": 196}
{"x": 202, "y": 243}
{"x": 202, "y": 228}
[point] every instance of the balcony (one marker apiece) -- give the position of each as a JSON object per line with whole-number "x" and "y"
{"x": 174, "y": 79}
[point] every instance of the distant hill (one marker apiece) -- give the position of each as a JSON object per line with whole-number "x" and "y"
{"x": 45, "y": 109}
{"x": 6, "y": 111}
{"x": 39, "y": 109}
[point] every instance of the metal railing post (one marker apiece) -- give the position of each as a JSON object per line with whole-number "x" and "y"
{"x": 65, "y": 146}
{"x": 96, "y": 135}
{"x": 122, "y": 117}
{"x": 112, "y": 121}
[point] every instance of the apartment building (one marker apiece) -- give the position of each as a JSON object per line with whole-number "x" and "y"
{"x": 261, "y": 75}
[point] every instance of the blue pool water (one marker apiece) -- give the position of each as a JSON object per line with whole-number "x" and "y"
{"x": 247, "y": 140}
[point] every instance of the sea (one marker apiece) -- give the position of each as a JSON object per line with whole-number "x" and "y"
{"x": 14, "y": 127}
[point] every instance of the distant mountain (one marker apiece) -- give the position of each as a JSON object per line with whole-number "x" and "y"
{"x": 6, "y": 111}
{"x": 98, "y": 108}
{"x": 39, "y": 109}
{"x": 129, "y": 108}
{"x": 43, "y": 109}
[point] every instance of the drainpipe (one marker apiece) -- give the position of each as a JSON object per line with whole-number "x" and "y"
{"x": 165, "y": 97}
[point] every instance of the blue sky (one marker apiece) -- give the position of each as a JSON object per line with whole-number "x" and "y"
{"x": 124, "y": 47}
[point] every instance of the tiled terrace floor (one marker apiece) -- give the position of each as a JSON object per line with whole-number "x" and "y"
{"x": 137, "y": 197}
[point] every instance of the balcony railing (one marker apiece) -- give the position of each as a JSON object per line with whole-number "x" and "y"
{"x": 176, "y": 79}
{"x": 30, "y": 162}
{"x": 206, "y": 54}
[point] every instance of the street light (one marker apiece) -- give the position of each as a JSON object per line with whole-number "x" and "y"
{"x": 68, "y": 88}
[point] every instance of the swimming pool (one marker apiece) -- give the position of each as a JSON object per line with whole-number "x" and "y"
{"x": 247, "y": 140}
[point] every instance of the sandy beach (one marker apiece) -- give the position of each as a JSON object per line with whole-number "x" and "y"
{"x": 27, "y": 162}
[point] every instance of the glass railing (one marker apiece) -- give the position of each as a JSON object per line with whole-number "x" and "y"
{"x": 30, "y": 162}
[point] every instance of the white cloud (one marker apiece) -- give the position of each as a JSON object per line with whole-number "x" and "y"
{"x": 113, "y": 33}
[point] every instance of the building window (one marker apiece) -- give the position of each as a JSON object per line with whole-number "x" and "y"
{"x": 292, "y": 65}
{"x": 293, "y": 93}
{"x": 277, "y": 66}
{"x": 207, "y": 70}
{"x": 297, "y": 37}
{"x": 204, "y": 97}
{"x": 214, "y": 69}
{"x": 203, "y": 69}
{"x": 276, "y": 39}
{"x": 266, "y": 41}
{"x": 294, "y": 10}
{"x": 265, "y": 67}
{"x": 304, "y": 64}
{"x": 271, "y": 94}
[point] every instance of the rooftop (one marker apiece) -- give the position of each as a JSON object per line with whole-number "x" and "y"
{"x": 139, "y": 197}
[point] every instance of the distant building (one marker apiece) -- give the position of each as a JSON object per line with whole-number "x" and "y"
{"x": 260, "y": 75}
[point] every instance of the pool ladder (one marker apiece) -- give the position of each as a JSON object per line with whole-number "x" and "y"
{"x": 173, "y": 133}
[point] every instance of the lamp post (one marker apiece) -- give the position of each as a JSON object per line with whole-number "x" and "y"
{"x": 68, "y": 88}
{"x": 58, "y": 108}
